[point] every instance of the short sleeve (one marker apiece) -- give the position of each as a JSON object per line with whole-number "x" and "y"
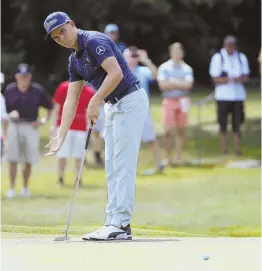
{"x": 215, "y": 67}
{"x": 245, "y": 65}
{"x": 189, "y": 75}
{"x": 45, "y": 99}
{"x": 73, "y": 76}
{"x": 162, "y": 73}
{"x": 4, "y": 115}
{"x": 100, "y": 48}
{"x": 60, "y": 94}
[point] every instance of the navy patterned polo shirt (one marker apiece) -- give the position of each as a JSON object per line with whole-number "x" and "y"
{"x": 94, "y": 47}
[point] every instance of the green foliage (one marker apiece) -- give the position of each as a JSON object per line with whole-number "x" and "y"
{"x": 151, "y": 24}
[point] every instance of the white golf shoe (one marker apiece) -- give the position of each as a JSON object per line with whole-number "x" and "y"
{"x": 113, "y": 233}
{"x": 88, "y": 236}
{"x": 11, "y": 193}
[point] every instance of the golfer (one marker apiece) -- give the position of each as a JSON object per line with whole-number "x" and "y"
{"x": 96, "y": 58}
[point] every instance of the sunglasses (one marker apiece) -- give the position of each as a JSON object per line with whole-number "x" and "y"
{"x": 134, "y": 55}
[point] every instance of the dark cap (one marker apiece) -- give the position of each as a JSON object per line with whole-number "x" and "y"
{"x": 55, "y": 20}
{"x": 23, "y": 69}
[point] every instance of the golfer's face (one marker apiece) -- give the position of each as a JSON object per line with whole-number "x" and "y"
{"x": 65, "y": 35}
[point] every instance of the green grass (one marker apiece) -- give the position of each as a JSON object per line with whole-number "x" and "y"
{"x": 184, "y": 201}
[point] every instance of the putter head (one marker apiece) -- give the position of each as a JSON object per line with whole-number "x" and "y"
{"x": 61, "y": 238}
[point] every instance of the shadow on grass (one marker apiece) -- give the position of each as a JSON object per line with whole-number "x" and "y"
{"x": 83, "y": 186}
{"x": 136, "y": 240}
{"x": 35, "y": 197}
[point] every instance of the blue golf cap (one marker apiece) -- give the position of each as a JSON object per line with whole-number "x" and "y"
{"x": 23, "y": 69}
{"x": 55, "y": 20}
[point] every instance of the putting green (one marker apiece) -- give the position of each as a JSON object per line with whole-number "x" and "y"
{"x": 183, "y": 254}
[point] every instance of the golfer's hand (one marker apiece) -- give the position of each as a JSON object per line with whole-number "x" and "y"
{"x": 54, "y": 145}
{"x": 93, "y": 111}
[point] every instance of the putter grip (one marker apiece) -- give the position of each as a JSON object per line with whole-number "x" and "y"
{"x": 88, "y": 135}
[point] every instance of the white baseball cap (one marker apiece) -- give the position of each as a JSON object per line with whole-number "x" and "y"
{"x": 2, "y": 78}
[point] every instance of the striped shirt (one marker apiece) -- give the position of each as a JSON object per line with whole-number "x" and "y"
{"x": 169, "y": 70}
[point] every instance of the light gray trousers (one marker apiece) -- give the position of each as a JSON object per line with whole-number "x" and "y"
{"x": 124, "y": 123}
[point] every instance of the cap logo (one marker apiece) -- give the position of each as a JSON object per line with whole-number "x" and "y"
{"x": 23, "y": 69}
{"x": 49, "y": 24}
{"x": 100, "y": 50}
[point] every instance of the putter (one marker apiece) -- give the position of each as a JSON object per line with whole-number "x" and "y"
{"x": 66, "y": 237}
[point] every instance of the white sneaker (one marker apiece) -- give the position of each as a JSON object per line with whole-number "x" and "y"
{"x": 25, "y": 192}
{"x": 113, "y": 233}
{"x": 88, "y": 236}
{"x": 11, "y": 193}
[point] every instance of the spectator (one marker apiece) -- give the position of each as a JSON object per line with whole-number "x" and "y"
{"x": 229, "y": 70}
{"x": 112, "y": 30}
{"x": 145, "y": 75}
{"x": 74, "y": 144}
{"x": 23, "y": 99}
{"x": 175, "y": 80}
{"x": 4, "y": 116}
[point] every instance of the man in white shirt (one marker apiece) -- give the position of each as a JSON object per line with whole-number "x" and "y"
{"x": 229, "y": 70}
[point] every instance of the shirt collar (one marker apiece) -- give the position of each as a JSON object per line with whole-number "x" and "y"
{"x": 224, "y": 52}
{"x": 171, "y": 62}
{"x": 80, "y": 42}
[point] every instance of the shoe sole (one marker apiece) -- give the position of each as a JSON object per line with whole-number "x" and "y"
{"x": 110, "y": 239}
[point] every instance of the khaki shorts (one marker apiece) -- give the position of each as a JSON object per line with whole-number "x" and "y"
{"x": 22, "y": 143}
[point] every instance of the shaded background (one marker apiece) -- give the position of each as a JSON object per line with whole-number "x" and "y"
{"x": 150, "y": 24}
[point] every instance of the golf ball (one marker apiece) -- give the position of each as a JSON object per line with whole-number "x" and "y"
{"x": 205, "y": 257}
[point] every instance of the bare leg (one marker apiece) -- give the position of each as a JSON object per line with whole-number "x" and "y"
{"x": 26, "y": 174}
{"x": 61, "y": 167}
{"x": 180, "y": 139}
{"x": 96, "y": 143}
{"x": 12, "y": 174}
{"x": 236, "y": 137}
{"x": 154, "y": 147}
{"x": 61, "y": 170}
{"x": 168, "y": 145}
{"x": 223, "y": 142}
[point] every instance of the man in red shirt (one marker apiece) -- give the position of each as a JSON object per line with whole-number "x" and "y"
{"x": 76, "y": 137}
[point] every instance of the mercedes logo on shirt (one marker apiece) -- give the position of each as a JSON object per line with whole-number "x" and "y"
{"x": 100, "y": 50}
